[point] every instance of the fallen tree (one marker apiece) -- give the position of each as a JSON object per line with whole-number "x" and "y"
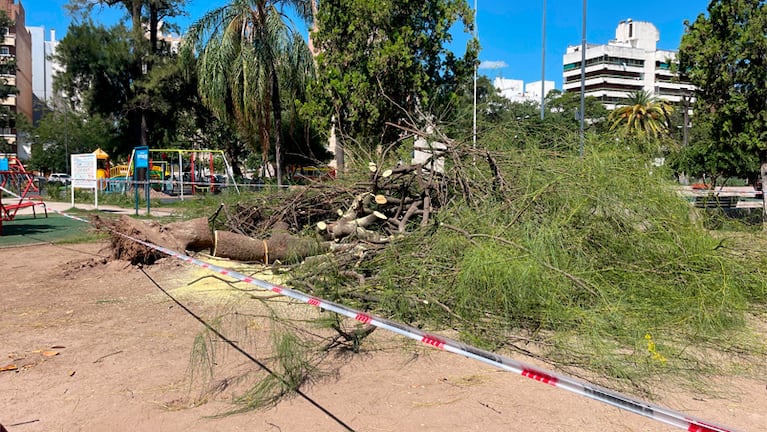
{"x": 192, "y": 235}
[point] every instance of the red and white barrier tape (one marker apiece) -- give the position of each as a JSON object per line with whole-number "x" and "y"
{"x": 601, "y": 394}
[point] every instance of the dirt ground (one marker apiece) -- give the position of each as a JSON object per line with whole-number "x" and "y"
{"x": 96, "y": 346}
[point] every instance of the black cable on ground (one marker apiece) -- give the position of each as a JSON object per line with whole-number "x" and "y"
{"x": 246, "y": 354}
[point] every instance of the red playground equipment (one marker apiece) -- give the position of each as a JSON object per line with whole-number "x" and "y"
{"x": 19, "y": 184}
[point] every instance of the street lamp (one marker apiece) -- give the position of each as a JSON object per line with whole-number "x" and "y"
{"x": 543, "y": 61}
{"x": 66, "y": 137}
{"x": 474, "y": 127}
{"x": 583, "y": 79}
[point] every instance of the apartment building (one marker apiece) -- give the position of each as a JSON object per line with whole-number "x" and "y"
{"x": 519, "y": 91}
{"x": 17, "y": 44}
{"x": 628, "y": 63}
{"x": 44, "y": 68}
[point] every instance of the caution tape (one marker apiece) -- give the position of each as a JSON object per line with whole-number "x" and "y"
{"x": 601, "y": 394}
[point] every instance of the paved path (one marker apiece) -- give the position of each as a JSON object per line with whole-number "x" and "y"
{"x": 57, "y": 206}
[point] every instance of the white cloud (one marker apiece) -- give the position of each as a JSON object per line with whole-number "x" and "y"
{"x": 489, "y": 64}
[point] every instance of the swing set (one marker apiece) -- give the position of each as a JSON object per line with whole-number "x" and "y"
{"x": 178, "y": 172}
{"x": 17, "y": 183}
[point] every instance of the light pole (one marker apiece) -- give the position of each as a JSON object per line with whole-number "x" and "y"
{"x": 66, "y": 137}
{"x": 583, "y": 79}
{"x": 543, "y": 62}
{"x": 474, "y": 127}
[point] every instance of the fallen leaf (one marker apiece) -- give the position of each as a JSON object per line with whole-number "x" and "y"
{"x": 10, "y": 367}
{"x": 58, "y": 347}
{"x": 72, "y": 373}
{"x": 50, "y": 353}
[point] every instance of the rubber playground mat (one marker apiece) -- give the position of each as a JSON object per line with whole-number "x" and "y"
{"x": 26, "y": 230}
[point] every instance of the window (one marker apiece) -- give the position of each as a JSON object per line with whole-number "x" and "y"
{"x": 5, "y": 51}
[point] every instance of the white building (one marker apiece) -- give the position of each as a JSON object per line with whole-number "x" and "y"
{"x": 533, "y": 89}
{"x": 43, "y": 67}
{"x": 629, "y": 63}
{"x": 518, "y": 91}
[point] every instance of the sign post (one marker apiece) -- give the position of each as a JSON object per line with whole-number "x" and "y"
{"x": 140, "y": 173}
{"x": 84, "y": 175}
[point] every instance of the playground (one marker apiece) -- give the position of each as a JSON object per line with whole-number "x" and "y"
{"x": 89, "y": 343}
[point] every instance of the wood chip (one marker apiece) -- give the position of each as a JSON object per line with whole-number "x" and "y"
{"x": 10, "y": 367}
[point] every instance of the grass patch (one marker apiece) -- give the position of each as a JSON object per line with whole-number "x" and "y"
{"x": 25, "y": 230}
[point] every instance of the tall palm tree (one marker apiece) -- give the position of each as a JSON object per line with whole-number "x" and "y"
{"x": 643, "y": 116}
{"x": 247, "y": 50}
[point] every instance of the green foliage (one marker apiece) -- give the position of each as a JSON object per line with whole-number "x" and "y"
{"x": 724, "y": 54}
{"x": 127, "y": 74}
{"x": 99, "y": 67}
{"x": 379, "y": 62}
{"x": 564, "y": 106}
{"x": 644, "y": 116}
{"x": 60, "y": 134}
{"x": 583, "y": 256}
{"x": 503, "y": 124}
{"x": 249, "y": 55}
{"x": 290, "y": 356}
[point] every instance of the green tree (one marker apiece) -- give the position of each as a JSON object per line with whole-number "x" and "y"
{"x": 98, "y": 68}
{"x": 250, "y": 54}
{"x": 146, "y": 50}
{"x": 724, "y": 54}
{"x": 380, "y": 62}
{"x": 643, "y": 116}
{"x": 564, "y": 106}
{"x": 59, "y": 134}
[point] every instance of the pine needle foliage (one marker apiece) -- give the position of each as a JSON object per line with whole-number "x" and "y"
{"x": 594, "y": 264}
{"x": 584, "y": 256}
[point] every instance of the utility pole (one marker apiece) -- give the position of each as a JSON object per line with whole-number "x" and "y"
{"x": 543, "y": 62}
{"x": 476, "y": 35}
{"x": 583, "y": 80}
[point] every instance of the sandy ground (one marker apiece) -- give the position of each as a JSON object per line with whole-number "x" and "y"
{"x": 97, "y": 346}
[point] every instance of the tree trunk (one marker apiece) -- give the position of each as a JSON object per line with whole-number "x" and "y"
{"x": 277, "y": 108}
{"x": 280, "y": 246}
{"x": 339, "y": 154}
{"x": 193, "y": 234}
{"x": 143, "y": 133}
{"x": 763, "y": 174}
{"x": 153, "y": 30}
{"x": 315, "y": 28}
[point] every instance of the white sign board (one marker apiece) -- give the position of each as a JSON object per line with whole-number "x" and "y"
{"x": 84, "y": 175}
{"x": 84, "y": 171}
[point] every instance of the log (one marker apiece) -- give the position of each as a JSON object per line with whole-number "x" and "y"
{"x": 193, "y": 234}
{"x": 280, "y": 246}
{"x": 344, "y": 227}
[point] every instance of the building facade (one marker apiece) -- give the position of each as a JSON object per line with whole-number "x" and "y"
{"x": 518, "y": 91}
{"x": 43, "y": 66}
{"x": 18, "y": 45}
{"x": 624, "y": 65}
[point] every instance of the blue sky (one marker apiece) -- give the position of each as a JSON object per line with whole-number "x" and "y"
{"x": 509, "y": 30}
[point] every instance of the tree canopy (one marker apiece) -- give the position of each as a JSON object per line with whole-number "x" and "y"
{"x": 378, "y": 62}
{"x": 724, "y": 54}
{"x": 249, "y": 55}
{"x": 643, "y": 116}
